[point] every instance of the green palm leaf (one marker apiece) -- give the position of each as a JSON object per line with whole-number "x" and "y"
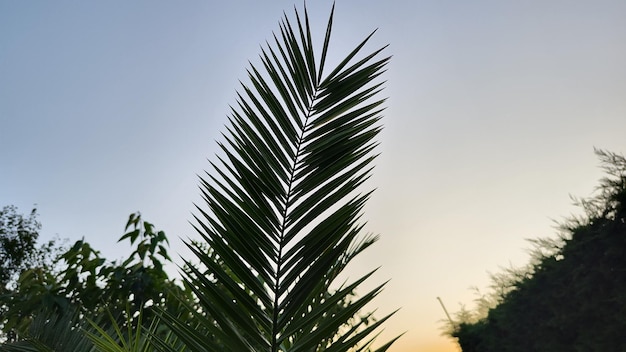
{"x": 283, "y": 210}
{"x": 53, "y": 332}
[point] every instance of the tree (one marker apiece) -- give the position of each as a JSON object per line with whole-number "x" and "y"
{"x": 19, "y": 252}
{"x": 572, "y": 296}
{"x": 282, "y": 212}
{"x": 18, "y": 245}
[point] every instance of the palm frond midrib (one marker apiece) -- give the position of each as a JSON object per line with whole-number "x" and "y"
{"x": 282, "y": 242}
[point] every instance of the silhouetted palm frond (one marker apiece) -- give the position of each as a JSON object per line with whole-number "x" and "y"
{"x": 282, "y": 208}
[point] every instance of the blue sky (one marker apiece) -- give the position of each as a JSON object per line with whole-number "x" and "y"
{"x": 493, "y": 113}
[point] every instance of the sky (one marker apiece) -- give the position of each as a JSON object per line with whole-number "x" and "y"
{"x": 494, "y": 110}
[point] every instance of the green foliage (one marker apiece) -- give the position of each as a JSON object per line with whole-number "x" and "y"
{"x": 23, "y": 260}
{"x": 19, "y": 249}
{"x": 140, "y": 278}
{"x": 18, "y": 238}
{"x": 51, "y": 332}
{"x": 573, "y": 297}
{"x": 86, "y": 284}
{"x": 132, "y": 340}
{"x": 283, "y": 211}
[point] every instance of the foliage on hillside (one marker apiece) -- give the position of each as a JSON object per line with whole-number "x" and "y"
{"x": 572, "y": 297}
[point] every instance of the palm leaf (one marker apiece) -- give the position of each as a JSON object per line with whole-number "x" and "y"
{"x": 53, "y": 331}
{"x": 283, "y": 208}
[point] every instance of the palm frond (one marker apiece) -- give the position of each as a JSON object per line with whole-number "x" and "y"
{"x": 53, "y": 331}
{"x": 283, "y": 208}
{"x": 114, "y": 339}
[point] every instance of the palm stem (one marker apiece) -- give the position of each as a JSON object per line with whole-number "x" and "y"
{"x": 283, "y": 226}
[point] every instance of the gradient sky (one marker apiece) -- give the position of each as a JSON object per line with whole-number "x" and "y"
{"x": 494, "y": 109}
